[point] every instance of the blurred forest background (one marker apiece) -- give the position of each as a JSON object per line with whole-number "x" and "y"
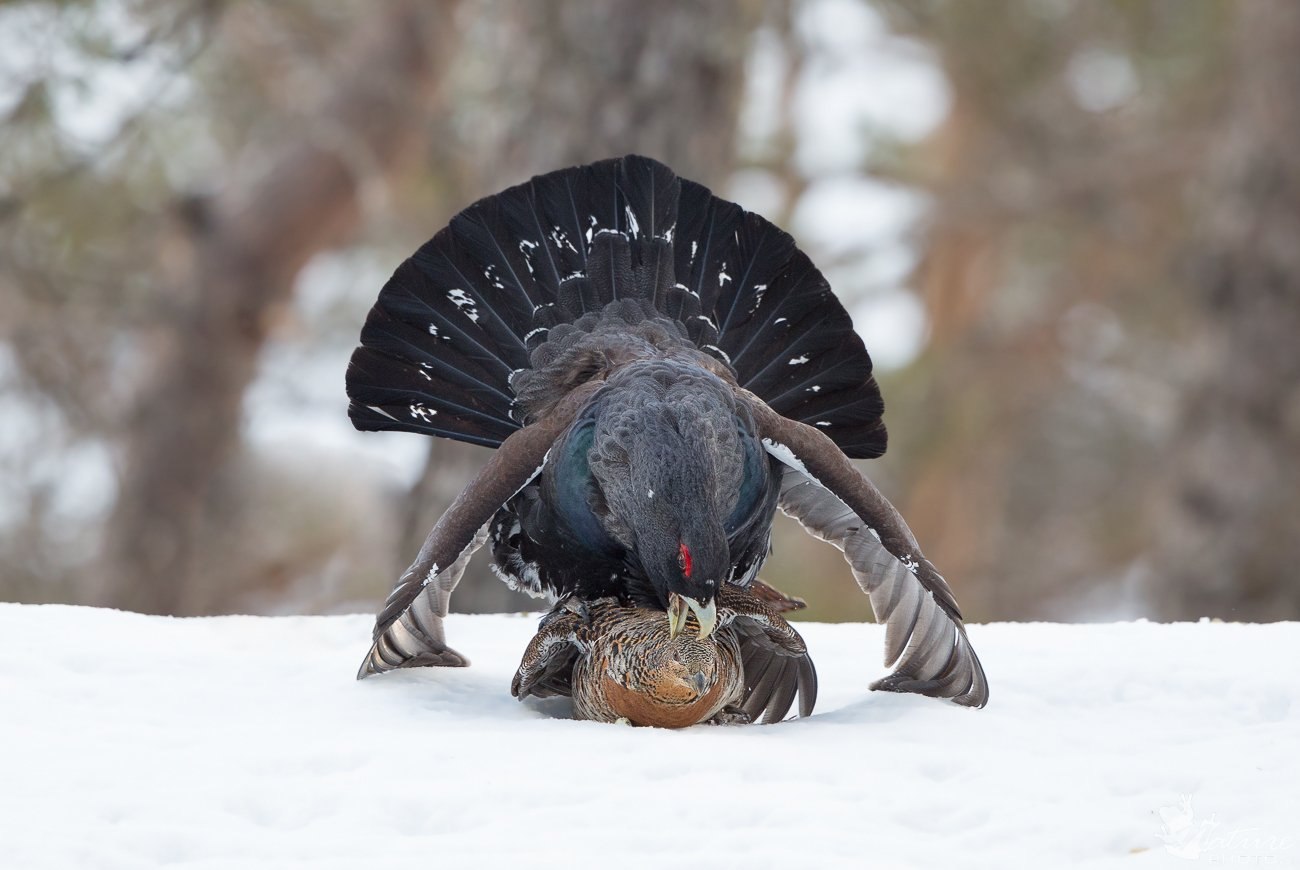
{"x": 1069, "y": 231}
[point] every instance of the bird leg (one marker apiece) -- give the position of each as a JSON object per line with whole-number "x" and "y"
{"x": 731, "y": 716}
{"x": 774, "y": 598}
{"x": 765, "y": 616}
{"x": 566, "y": 608}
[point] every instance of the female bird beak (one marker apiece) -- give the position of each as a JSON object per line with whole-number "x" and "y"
{"x": 705, "y": 614}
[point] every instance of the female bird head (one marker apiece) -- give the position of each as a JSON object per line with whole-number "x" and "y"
{"x": 649, "y": 678}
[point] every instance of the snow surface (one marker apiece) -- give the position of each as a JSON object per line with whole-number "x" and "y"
{"x": 133, "y": 742}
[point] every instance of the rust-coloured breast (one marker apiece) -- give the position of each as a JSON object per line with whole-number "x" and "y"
{"x": 631, "y": 669}
{"x": 665, "y": 703}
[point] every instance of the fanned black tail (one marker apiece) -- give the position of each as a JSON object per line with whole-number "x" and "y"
{"x": 459, "y": 317}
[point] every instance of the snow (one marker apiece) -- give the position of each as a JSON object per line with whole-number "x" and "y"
{"x": 134, "y": 742}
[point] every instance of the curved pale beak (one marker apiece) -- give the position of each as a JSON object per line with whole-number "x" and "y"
{"x": 679, "y": 605}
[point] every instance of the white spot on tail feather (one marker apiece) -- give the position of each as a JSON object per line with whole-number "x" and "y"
{"x": 526, "y": 248}
{"x": 561, "y": 239}
{"x": 799, "y": 360}
{"x": 719, "y": 351}
{"x": 464, "y": 302}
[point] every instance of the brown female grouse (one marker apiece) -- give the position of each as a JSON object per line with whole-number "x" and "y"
{"x": 621, "y": 663}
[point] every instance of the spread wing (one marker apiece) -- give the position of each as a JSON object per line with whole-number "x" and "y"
{"x": 925, "y": 638}
{"x": 408, "y": 631}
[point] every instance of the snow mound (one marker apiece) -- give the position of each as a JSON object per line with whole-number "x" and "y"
{"x": 133, "y": 741}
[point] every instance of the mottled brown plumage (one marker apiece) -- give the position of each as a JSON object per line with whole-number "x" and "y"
{"x": 619, "y": 663}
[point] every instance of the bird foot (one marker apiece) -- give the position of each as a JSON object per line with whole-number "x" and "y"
{"x": 731, "y": 716}
{"x": 566, "y": 608}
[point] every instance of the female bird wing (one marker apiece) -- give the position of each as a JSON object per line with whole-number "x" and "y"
{"x": 774, "y": 658}
{"x": 546, "y": 669}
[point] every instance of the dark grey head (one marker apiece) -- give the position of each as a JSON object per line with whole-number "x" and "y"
{"x": 669, "y": 457}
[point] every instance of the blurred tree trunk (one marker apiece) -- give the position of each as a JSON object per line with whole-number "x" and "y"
{"x": 247, "y": 245}
{"x": 958, "y": 456}
{"x": 1228, "y": 543}
{"x": 1038, "y": 421}
{"x": 586, "y": 82}
{"x": 661, "y": 79}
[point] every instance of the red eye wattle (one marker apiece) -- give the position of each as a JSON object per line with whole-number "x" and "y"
{"x": 684, "y": 559}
